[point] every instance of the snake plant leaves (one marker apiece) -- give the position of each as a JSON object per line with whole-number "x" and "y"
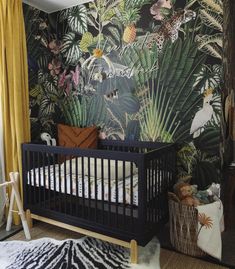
{"x": 74, "y": 111}
{"x": 97, "y": 111}
{"x": 71, "y": 49}
{"x": 77, "y": 19}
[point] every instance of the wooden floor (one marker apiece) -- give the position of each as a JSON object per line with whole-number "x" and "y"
{"x": 168, "y": 259}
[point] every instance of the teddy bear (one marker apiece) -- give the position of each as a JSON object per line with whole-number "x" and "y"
{"x": 214, "y": 192}
{"x": 202, "y": 196}
{"x": 184, "y": 191}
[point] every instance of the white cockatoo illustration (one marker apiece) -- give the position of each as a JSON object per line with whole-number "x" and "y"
{"x": 46, "y": 137}
{"x": 204, "y": 115}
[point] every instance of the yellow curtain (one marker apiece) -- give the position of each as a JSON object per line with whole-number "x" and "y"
{"x": 13, "y": 83}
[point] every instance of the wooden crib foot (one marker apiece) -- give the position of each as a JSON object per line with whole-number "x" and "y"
{"x": 134, "y": 251}
{"x": 29, "y": 219}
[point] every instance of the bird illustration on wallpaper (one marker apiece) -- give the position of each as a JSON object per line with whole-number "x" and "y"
{"x": 204, "y": 115}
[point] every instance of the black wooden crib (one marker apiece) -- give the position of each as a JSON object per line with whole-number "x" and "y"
{"x": 118, "y": 190}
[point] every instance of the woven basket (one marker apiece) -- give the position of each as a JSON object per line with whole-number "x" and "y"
{"x": 183, "y": 227}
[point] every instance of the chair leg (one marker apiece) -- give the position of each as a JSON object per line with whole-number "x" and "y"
{"x": 29, "y": 219}
{"x": 134, "y": 251}
{"x": 14, "y": 178}
{"x": 10, "y": 212}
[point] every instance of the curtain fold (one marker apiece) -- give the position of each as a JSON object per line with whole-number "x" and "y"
{"x": 2, "y": 172}
{"x": 13, "y": 83}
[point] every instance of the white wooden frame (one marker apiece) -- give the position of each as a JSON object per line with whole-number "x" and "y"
{"x": 15, "y": 196}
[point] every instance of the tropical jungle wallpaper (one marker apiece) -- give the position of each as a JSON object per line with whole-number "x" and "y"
{"x": 138, "y": 69}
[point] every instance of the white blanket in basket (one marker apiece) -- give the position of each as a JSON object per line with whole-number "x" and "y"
{"x": 210, "y": 226}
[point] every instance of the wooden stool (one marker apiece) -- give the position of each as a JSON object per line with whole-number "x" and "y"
{"x": 15, "y": 195}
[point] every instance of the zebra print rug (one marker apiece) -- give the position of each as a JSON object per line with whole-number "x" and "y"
{"x": 84, "y": 253}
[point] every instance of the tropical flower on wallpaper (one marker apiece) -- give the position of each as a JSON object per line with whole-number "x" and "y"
{"x": 102, "y": 64}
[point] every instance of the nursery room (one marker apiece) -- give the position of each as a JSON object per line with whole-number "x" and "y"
{"x": 117, "y": 134}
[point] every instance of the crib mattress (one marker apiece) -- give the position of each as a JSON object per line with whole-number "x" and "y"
{"x": 52, "y": 179}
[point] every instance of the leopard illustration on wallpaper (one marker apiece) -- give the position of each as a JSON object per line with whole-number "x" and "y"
{"x": 138, "y": 69}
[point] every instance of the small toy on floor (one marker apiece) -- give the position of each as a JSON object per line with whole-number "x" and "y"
{"x": 184, "y": 191}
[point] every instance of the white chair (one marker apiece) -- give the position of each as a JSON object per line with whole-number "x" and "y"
{"x": 15, "y": 195}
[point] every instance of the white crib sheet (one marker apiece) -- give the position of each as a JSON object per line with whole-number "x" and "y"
{"x": 55, "y": 178}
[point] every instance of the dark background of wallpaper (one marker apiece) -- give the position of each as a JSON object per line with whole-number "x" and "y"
{"x": 140, "y": 112}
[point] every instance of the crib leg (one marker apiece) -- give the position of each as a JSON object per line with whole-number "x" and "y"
{"x": 29, "y": 219}
{"x": 134, "y": 251}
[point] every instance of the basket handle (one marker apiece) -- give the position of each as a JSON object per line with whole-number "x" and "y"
{"x": 172, "y": 196}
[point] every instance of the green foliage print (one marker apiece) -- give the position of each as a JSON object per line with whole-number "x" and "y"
{"x": 138, "y": 69}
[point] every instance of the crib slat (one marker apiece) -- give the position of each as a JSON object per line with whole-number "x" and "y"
{"x": 39, "y": 178}
{"x": 83, "y": 189}
{"x": 124, "y": 193}
{"x": 117, "y": 192}
{"x": 161, "y": 183}
{"x": 152, "y": 188}
{"x": 49, "y": 181}
{"x": 54, "y": 179}
{"x": 89, "y": 188}
{"x": 102, "y": 185}
{"x": 34, "y": 180}
{"x": 148, "y": 191}
{"x": 109, "y": 192}
{"x": 158, "y": 187}
{"x": 76, "y": 184}
{"x": 29, "y": 175}
{"x": 95, "y": 173}
{"x": 131, "y": 198}
{"x": 44, "y": 177}
{"x": 65, "y": 187}
{"x": 155, "y": 188}
{"x": 71, "y": 185}
{"x": 60, "y": 191}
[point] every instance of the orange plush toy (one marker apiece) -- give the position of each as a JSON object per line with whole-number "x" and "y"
{"x": 184, "y": 192}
